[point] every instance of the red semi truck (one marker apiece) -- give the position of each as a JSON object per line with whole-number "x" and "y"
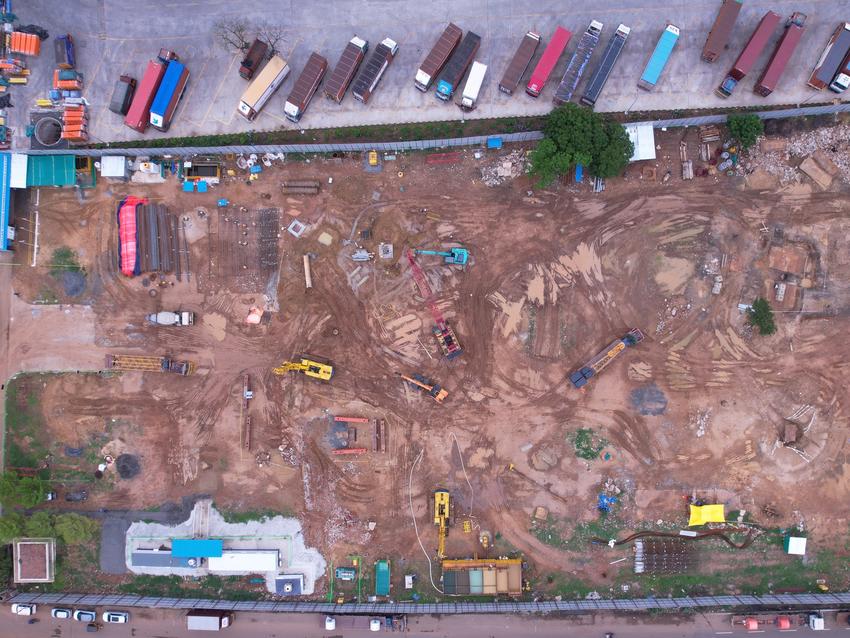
{"x": 755, "y": 45}
{"x": 548, "y": 61}
{"x": 781, "y": 54}
{"x": 139, "y": 113}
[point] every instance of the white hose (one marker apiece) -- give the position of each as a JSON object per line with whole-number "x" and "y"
{"x": 413, "y": 516}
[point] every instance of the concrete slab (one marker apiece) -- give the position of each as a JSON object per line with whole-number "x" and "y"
{"x": 115, "y": 37}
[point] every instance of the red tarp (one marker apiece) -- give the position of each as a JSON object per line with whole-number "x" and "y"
{"x": 127, "y": 234}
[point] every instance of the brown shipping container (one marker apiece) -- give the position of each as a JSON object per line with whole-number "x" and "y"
{"x": 520, "y": 63}
{"x": 253, "y": 59}
{"x": 755, "y": 45}
{"x": 305, "y": 87}
{"x": 781, "y": 55}
{"x": 345, "y": 69}
{"x": 718, "y": 37}
{"x": 437, "y": 58}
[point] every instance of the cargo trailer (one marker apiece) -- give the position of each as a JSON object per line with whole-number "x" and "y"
{"x": 718, "y": 37}
{"x": 659, "y": 58}
{"x": 575, "y": 67}
{"x": 208, "y": 619}
{"x": 781, "y": 54}
{"x": 262, "y": 87}
{"x": 438, "y": 56}
{"x": 305, "y": 87}
{"x": 63, "y": 49}
{"x": 168, "y": 95}
{"x": 372, "y": 72}
{"x": 547, "y": 61}
{"x": 519, "y": 63}
{"x": 606, "y": 64}
{"x": 831, "y": 58}
{"x": 469, "y": 97}
{"x": 138, "y": 115}
{"x": 253, "y": 59}
{"x": 842, "y": 78}
{"x": 452, "y": 74}
{"x": 749, "y": 54}
{"x": 345, "y": 68}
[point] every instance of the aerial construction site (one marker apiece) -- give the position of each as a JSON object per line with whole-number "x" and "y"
{"x": 457, "y": 383}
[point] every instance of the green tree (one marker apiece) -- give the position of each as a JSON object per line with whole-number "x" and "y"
{"x": 761, "y": 316}
{"x": 11, "y": 526}
{"x": 75, "y": 529}
{"x": 746, "y": 128}
{"x": 26, "y": 491}
{"x": 39, "y": 525}
{"x": 576, "y": 135}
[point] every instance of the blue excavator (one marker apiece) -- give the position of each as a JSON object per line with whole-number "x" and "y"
{"x": 458, "y": 256}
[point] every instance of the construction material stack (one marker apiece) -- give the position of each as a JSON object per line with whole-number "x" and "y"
{"x": 75, "y": 123}
{"x": 25, "y": 43}
{"x": 597, "y": 364}
{"x": 586, "y": 45}
{"x": 443, "y": 333}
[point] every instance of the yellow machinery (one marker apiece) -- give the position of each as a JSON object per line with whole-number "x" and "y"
{"x": 434, "y": 390}
{"x": 311, "y": 368}
{"x": 442, "y": 512}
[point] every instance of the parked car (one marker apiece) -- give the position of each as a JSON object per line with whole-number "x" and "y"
{"x": 80, "y": 495}
{"x": 116, "y": 616}
{"x": 24, "y": 609}
{"x": 122, "y": 95}
{"x": 50, "y": 496}
{"x": 62, "y": 613}
{"x": 85, "y": 615}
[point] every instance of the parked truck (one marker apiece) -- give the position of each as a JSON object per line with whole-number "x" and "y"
{"x": 168, "y": 95}
{"x": 547, "y": 61}
{"x": 519, "y": 63}
{"x": 138, "y": 115}
{"x": 586, "y": 45}
{"x": 597, "y": 364}
{"x": 168, "y": 318}
{"x": 345, "y": 68}
{"x": 659, "y": 58}
{"x": 374, "y": 69}
{"x": 842, "y": 78}
{"x": 718, "y": 37}
{"x": 781, "y": 54}
{"x": 305, "y": 87}
{"x": 253, "y": 59}
{"x": 749, "y": 54}
{"x": 606, "y": 64}
{"x": 469, "y": 97}
{"x": 452, "y": 74}
{"x": 208, "y": 619}
{"x": 262, "y": 87}
{"x": 437, "y": 57}
{"x": 830, "y": 60}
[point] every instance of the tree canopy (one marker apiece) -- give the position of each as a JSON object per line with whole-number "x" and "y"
{"x": 39, "y": 525}
{"x": 576, "y": 135}
{"x": 746, "y": 128}
{"x": 11, "y": 526}
{"x": 761, "y": 316}
{"x": 75, "y": 529}
{"x": 26, "y": 491}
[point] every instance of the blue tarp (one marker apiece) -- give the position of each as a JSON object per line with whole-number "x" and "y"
{"x": 172, "y": 76}
{"x": 5, "y": 196}
{"x": 196, "y": 548}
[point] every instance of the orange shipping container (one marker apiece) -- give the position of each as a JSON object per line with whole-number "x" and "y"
{"x": 25, "y": 43}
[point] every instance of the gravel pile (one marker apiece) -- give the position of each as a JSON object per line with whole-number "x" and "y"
{"x": 833, "y": 141}
{"x": 507, "y": 167}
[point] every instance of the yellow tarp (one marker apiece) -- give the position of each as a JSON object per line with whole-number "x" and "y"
{"x": 702, "y": 514}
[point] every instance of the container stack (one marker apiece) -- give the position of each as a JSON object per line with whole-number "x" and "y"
{"x": 25, "y": 43}
{"x": 75, "y": 123}
{"x": 15, "y": 70}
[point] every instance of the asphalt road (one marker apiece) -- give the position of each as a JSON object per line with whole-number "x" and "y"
{"x": 171, "y": 624}
{"x": 117, "y": 37}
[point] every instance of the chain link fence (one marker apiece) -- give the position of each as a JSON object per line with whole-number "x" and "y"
{"x": 777, "y": 601}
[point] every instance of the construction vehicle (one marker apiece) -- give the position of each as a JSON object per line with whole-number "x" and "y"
{"x": 459, "y": 256}
{"x": 597, "y": 364}
{"x": 309, "y": 367}
{"x": 433, "y": 389}
{"x": 134, "y": 363}
{"x": 442, "y": 513}
{"x": 168, "y": 318}
{"x": 444, "y": 334}
{"x": 373, "y": 158}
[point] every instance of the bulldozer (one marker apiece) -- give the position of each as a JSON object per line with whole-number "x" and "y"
{"x": 307, "y": 366}
{"x": 442, "y": 513}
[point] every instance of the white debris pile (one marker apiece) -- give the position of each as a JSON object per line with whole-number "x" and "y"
{"x": 833, "y": 142}
{"x": 699, "y": 421}
{"x": 506, "y": 167}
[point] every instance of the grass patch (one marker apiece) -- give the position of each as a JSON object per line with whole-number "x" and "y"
{"x": 249, "y": 516}
{"x": 560, "y": 584}
{"x": 587, "y": 443}
{"x": 64, "y": 259}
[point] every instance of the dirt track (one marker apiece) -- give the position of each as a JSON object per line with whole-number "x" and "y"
{"x": 556, "y": 275}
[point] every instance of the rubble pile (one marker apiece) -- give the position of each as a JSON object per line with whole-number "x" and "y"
{"x": 833, "y": 142}
{"x": 506, "y": 167}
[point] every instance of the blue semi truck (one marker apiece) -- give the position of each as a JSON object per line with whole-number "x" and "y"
{"x": 454, "y": 71}
{"x": 168, "y": 95}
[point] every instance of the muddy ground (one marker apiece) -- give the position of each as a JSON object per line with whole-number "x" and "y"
{"x": 699, "y": 408}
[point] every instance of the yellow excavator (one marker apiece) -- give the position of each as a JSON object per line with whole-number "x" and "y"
{"x": 442, "y": 513}
{"x": 430, "y": 388}
{"x": 309, "y": 367}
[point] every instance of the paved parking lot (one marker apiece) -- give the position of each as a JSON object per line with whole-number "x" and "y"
{"x": 115, "y": 37}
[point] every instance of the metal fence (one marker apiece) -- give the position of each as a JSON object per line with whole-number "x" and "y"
{"x": 414, "y": 145}
{"x": 807, "y": 601}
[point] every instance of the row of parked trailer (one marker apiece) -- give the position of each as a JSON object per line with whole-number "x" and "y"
{"x": 453, "y": 55}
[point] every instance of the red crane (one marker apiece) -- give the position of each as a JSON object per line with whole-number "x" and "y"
{"x": 442, "y": 331}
